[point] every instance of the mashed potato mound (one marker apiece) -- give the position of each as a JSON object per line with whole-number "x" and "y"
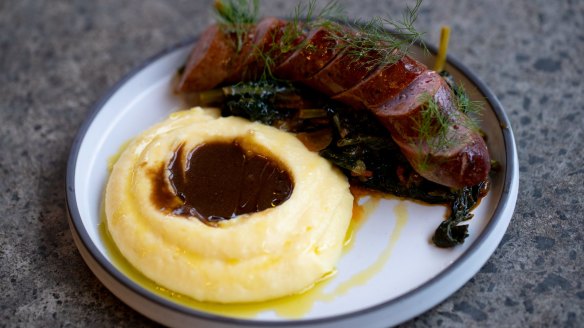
{"x": 253, "y": 257}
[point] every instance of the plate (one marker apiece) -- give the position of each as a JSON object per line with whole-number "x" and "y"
{"x": 388, "y": 274}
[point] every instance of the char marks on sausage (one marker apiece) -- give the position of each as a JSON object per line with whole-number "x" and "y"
{"x": 341, "y": 73}
{"x": 383, "y": 84}
{"x": 318, "y": 50}
{"x": 267, "y": 32}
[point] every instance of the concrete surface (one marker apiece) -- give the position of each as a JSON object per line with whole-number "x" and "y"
{"x": 58, "y": 57}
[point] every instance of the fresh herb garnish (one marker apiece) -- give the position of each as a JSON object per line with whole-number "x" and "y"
{"x": 387, "y": 38}
{"x": 236, "y": 16}
{"x": 434, "y": 124}
{"x": 433, "y": 127}
{"x": 306, "y": 16}
{"x": 472, "y": 108}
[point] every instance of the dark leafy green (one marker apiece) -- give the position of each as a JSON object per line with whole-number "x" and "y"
{"x": 450, "y": 232}
{"x": 257, "y": 101}
{"x": 364, "y": 149}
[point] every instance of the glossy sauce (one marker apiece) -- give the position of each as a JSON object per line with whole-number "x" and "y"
{"x": 218, "y": 181}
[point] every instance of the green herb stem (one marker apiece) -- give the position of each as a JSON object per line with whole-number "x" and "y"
{"x": 236, "y": 16}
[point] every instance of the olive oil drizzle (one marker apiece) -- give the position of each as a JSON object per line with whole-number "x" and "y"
{"x": 291, "y": 307}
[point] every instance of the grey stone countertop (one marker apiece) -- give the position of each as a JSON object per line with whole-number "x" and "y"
{"x": 57, "y": 58}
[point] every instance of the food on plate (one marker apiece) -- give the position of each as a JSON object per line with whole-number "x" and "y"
{"x": 250, "y": 200}
{"x": 353, "y": 90}
{"x": 396, "y": 92}
{"x": 226, "y": 210}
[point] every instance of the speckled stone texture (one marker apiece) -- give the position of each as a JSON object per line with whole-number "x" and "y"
{"x": 58, "y": 57}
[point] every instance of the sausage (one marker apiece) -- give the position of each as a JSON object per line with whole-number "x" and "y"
{"x": 215, "y": 59}
{"x": 463, "y": 162}
{"x": 267, "y": 31}
{"x": 459, "y": 157}
{"x": 382, "y": 85}
{"x": 319, "y": 49}
{"x": 341, "y": 73}
{"x": 209, "y": 63}
{"x": 397, "y": 94}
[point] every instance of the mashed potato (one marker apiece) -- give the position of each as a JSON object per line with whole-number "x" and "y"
{"x": 253, "y": 257}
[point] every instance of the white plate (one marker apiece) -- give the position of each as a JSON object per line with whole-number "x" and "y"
{"x": 393, "y": 271}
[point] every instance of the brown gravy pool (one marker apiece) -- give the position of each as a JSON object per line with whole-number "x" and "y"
{"x": 219, "y": 181}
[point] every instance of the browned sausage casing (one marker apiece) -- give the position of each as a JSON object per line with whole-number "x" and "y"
{"x": 396, "y": 93}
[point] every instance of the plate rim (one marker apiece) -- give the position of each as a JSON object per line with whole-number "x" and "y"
{"x": 77, "y": 226}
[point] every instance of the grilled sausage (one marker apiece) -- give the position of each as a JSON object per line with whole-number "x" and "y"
{"x": 396, "y": 93}
{"x": 319, "y": 49}
{"x": 209, "y": 63}
{"x": 382, "y": 85}
{"x": 267, "y": 31}
{"x": 341, "y": 73}
{"x": 456, "y": 157}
